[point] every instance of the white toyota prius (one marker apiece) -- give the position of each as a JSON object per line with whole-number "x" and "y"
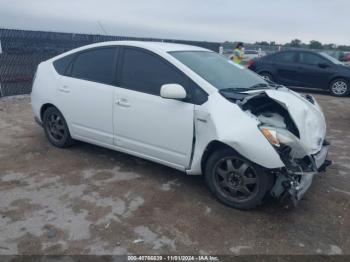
{"x": 187, "y": 108}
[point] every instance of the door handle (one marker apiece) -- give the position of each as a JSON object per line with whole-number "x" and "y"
{"x": 122, "y": 102}
{"x": 64, "y": 89}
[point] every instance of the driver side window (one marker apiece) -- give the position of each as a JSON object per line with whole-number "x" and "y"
{"x": 311, "y": 59}
{"x": 146, "y": 72}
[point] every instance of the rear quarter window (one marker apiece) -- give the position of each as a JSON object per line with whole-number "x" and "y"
{"x": 61, "y": 65}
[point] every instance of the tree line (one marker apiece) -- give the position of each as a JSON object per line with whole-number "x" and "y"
{"x": 313, "y": 44}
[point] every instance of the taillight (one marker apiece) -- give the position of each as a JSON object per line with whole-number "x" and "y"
{"x": 250, "y": 63}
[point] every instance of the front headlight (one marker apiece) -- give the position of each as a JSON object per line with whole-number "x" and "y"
{"x": 280, "y": 136}
{"x": 271, "y": 134}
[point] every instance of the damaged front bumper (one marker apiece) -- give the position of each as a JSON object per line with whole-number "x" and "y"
{"x": 293, "y": 181}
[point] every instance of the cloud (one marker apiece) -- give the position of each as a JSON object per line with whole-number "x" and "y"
{"x": 212, "y": 20}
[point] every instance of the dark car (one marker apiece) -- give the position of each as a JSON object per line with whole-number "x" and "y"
{"x": 304, "y": 68}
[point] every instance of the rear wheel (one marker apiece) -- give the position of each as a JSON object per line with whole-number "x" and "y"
{"x": 266, "y": 76}
{"x": 339, "y": 87}
{"x": 235, "y": 181}
{"x": 56, "y": 128}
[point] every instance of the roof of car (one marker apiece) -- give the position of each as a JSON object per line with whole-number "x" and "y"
{"x": 152, "y": 46}
{"x": 161, "y": 46}
{"x": 298, "y": 50}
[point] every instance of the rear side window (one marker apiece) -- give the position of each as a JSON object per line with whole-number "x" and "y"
{"x": 285, "y": 57}
{"x": 98, "y": 65}
{"x": 61, "y": 65}
{"x": 146, "y": 72}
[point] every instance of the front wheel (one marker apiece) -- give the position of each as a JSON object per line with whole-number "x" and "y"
{"x": 235, "y": 181}
{"x": 339, "y": 87}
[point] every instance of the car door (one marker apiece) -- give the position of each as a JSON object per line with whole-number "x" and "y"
{"x": 144, "y": 122}
{"x": 285, "y": 68}
{"x": 85, "y": 94}
{"x": 313, "y": 70}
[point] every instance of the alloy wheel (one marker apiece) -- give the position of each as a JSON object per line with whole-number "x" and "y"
{"x": 339, "y": 87}
{"x": 55, "y": 127}
{"x": 236, "y": 179}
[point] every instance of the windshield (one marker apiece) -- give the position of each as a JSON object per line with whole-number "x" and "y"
{"x": 331, "y": 58}
{"x": 219, "y": 71}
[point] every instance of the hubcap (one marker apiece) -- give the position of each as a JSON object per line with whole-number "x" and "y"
{"x": 55, "y": 127}
{"x": 339, "y": 88}
{"x": 236, "y": 179}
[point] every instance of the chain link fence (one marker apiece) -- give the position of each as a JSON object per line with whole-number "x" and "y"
{"x": 21, "y": 51}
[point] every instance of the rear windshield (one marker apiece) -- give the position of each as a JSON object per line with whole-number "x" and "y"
{"x": 222, "y": 73}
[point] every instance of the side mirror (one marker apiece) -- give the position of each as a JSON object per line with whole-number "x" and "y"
{"x": 172, "y": 91}
{"x": 323, "y": 65}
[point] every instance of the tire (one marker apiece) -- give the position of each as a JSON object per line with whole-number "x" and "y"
{"x": 339, "y": 87}
{"x": 56, "y": 128}
{"x": 235, "y": 181}
{"x": 266, "y": 76}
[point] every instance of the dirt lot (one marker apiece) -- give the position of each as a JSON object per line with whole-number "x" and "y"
{"x": 90, "y": 200}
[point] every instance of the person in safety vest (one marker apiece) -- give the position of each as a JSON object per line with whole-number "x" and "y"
{"x": 238, "y": 53}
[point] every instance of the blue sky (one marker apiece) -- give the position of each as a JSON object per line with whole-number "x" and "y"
{"x": 213, "y": 20}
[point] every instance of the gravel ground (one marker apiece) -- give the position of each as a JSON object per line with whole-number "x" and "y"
{"x": 90, "y": 200}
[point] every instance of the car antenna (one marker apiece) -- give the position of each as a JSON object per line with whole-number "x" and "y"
{"x": 102, "y": 28}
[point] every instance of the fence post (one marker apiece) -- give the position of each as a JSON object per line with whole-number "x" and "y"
{"x": 0, "y": 82}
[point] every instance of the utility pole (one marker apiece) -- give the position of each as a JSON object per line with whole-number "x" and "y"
{"x": 102, "y": 28}
{"x": 0, "y": 82}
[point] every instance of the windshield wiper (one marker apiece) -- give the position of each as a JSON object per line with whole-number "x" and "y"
{"x": 260, "y": 86}
{"x": 234, "y": 93}
{"x": 234, "y": 89}
{"x": 245, "y": 89}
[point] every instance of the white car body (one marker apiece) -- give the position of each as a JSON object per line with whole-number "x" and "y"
{"x": 167, "y": 131}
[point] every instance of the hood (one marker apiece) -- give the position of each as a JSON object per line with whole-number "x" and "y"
{"x": 301, "y": 115}
{"x": 307, "y": 116}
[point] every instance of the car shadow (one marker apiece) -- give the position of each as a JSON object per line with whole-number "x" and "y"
{"x": 194, "y": 185}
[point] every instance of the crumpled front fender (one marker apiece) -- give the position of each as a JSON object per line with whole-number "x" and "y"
{"x": 235, "y": 129}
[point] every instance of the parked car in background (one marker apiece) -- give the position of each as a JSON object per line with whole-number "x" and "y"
{"x": 251, "y": 55}
{"x": 345, "y": 58}
{"x": 305, "y": 68}
{"x": 188, "y": 108}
